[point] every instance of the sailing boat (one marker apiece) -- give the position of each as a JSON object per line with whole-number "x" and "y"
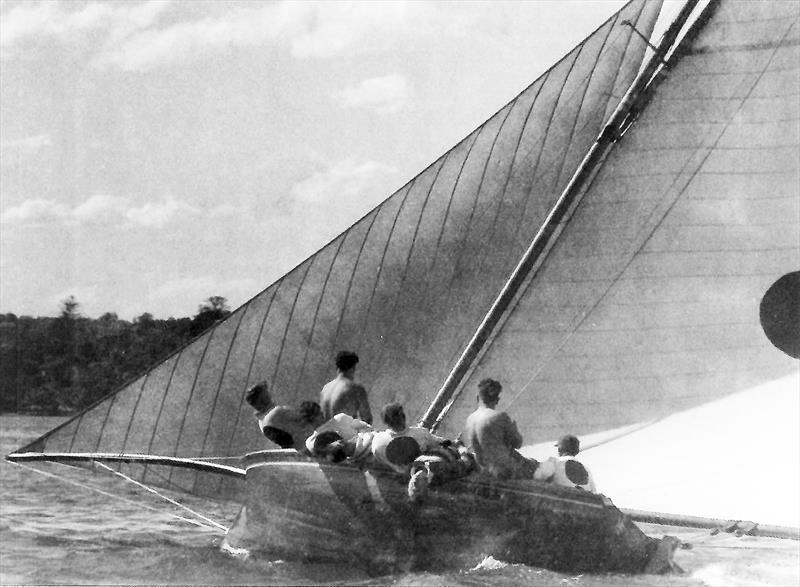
{"x": 605, "y": 245}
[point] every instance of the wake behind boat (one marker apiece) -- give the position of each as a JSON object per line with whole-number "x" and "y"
{"x": 604, "y": 244}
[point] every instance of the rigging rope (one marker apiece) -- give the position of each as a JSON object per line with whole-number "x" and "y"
{"x": 162, "y": 496}
{"x": 212, "y": 528}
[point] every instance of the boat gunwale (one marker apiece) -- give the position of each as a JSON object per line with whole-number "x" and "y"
{"x": 522, "y": 487}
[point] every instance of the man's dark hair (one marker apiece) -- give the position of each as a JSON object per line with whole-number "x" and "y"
{"x": 323, "y": 439}
{"x": 280, "y": 437}
{"x": 258, "y": 395}
{"x": 346, "y": 360}
{"x": 393, "y": 415}
{"x": 309, "y": 410}
{"x": 336, "y": 452}
{"x": 489, "y": 390}
{"x": 569, "y": 445}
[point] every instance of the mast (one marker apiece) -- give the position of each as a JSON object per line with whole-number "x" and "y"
{"x": 541, "y": 242}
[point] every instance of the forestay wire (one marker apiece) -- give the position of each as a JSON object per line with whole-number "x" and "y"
{"x": 162, "y": 496}
{"x": 211, "y": 525}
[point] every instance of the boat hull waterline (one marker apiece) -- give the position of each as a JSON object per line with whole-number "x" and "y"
{"x": 300, "y": 509}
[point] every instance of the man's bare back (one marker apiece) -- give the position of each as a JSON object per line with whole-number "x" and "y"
{"x": 343, "y": 395}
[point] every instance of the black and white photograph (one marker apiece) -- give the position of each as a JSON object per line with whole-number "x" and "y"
{"x": 400, "y": 292}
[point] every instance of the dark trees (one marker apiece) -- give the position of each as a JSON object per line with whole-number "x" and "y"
{"x": 66, "y": 363}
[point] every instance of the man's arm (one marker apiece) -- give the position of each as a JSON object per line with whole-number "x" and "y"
{"x": 545, "y": 470}
{"x": 511, "y": 433}
{"x": 363, "y": 404}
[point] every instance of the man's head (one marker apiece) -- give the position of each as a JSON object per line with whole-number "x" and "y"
{"x": 568, "y": 445}
{"x": 489, "y": 392}
{"x": 394, "y": 416}
{"x": 330, "y": 445}
{"x": 258, "y": 397}
{"x": 311, "y": 413}
{"x": 346, "y": 361}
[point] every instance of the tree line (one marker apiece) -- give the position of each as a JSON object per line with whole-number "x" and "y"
{"x": 62, "y": 364}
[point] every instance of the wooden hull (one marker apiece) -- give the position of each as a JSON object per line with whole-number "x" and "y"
{"x": 299, "y": 508}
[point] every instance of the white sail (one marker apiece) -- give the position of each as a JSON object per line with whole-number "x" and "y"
{"x": 649, "y": 302}
{"x": 405, "y": 286}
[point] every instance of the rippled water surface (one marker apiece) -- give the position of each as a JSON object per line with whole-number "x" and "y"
{"x": 56, "y": 530}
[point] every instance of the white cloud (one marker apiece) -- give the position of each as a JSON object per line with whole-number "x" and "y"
{"x": 344, "y": 181}
{"x": 101, "y": 209}
{"x": 183, "y": 41}
{"x": 60, "y": 21}
{"x": 27, "y": 144}
{"x": 389, "y": 93}
{"x": 105, "y": 209}
{"x": 159, "y": 214}
{"x": 307, "y": 29}
{"x": 338, "y": 26}
{"x": 36, "y": 211}
{"x": 27, "y": 20}
{"x": 124, "y": 35}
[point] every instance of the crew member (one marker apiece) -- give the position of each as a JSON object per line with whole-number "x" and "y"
{"x": 343, "y": 394}
{"x": 285, "y": 426}
{"x": 565, "y": 469}
{"x": 494, "y": 438}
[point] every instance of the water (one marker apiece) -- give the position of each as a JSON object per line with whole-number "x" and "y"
{"x": 52, "y": 532}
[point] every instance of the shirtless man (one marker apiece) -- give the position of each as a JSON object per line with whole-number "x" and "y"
{"x": 493, "y": 436}
{"x": 287, "y": 427}
{"x": 343, "y": 394}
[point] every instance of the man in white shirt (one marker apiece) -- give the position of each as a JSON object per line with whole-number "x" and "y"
{"x": 285, "y": 426}
{"x": 565, "y": 469}
{"x": 342, "y": 427}
{"x": 395, "y": 418}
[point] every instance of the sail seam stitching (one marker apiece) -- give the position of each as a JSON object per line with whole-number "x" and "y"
{"x": 350, "y": 281}
{"x": 219, "y": 386}
{"x": 178, "y": 439}
{"x": 393, "y": 312}
{"x": 310, "y": 336}
{"x": 663, "y": 215}
{"x": 256, "y": 343}
{"x": 289, "y": 319}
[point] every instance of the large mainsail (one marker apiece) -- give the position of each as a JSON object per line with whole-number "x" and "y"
{"x": 648, "y": 302}
{"x": 405, "y": 286}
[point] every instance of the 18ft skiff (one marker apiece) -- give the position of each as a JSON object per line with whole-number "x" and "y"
{"x": 603, "y": 245}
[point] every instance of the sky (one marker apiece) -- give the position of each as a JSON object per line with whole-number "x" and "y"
{"x": 154, "y": 154}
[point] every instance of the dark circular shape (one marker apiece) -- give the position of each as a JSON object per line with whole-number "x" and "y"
{"x": 780, "y": 314}
{"x": 402, "y": 450}
{"x": 576, "y": 472}
{"x": 323, "y": 439}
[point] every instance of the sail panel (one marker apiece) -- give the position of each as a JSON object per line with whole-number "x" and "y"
{"x": 404, "y": 287}
{"x": 648, "y": 302}
{"x": 139, "y": 429}
{"x": 90, "y": 424}
{"x": 112, "y": 433}
{"x": 229, "y": 407}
